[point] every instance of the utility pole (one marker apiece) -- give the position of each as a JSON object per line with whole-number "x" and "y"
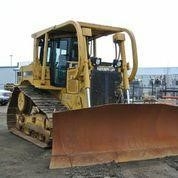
{"x": 11, "y": 59}
{"x": 152, "y": 86}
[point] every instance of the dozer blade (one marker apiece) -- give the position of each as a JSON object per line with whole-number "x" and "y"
{"x": 114, "y": 132}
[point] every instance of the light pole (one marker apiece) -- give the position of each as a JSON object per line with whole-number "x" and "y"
{"x": 152, "y": 85}
{"x": 11, "y": 59}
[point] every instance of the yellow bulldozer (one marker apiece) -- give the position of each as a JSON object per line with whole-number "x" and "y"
{"x": 71, "y": 99}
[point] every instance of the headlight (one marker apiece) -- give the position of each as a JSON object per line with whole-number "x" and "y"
{"x": 119, "y": 63}
{"x": 98, "y": 61}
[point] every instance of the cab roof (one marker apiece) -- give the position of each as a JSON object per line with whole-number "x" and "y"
{"x": 69, "y": 27}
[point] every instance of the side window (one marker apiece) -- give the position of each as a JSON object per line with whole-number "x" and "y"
{"x": 40, "y": 50}
{"x": 49, "y": 54}
{"x": 57, "y": 52}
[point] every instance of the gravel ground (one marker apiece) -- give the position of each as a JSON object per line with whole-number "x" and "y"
{"x": 19, "y": 158}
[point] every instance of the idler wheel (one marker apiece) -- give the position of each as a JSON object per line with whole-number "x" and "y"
{"x": 24, "y": 103}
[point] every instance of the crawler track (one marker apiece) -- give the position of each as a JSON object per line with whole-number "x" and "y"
{"x": 42, "y": 99}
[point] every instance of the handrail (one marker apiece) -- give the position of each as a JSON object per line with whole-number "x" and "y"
{"x": 134, "y": 54}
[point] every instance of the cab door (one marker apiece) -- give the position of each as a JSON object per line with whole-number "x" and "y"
{"x": 60, "y": 56}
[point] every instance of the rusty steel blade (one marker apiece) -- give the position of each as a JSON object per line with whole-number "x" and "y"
{"x": 114, "y": 132}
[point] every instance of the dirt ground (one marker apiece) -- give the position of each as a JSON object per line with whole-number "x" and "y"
{"x": 19, "y": 158}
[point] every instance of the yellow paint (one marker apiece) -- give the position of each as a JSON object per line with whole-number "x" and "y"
{"x": 78, "y": 78}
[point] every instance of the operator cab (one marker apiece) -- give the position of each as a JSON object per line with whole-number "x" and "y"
{"x": 62, "y": 54}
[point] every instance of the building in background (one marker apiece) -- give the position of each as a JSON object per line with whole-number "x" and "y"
{"x": 8, "y": 74}
{"x": 157, "y": 81}
{"x": 165, "y": 74}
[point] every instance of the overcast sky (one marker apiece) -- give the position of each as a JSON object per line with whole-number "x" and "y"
{"x": 154, "y": 23}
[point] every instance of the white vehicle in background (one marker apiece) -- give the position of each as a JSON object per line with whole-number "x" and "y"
{"x": 4, "y": 96}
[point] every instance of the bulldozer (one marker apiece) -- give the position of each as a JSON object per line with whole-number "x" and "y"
{"x": 72, "y": 100}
